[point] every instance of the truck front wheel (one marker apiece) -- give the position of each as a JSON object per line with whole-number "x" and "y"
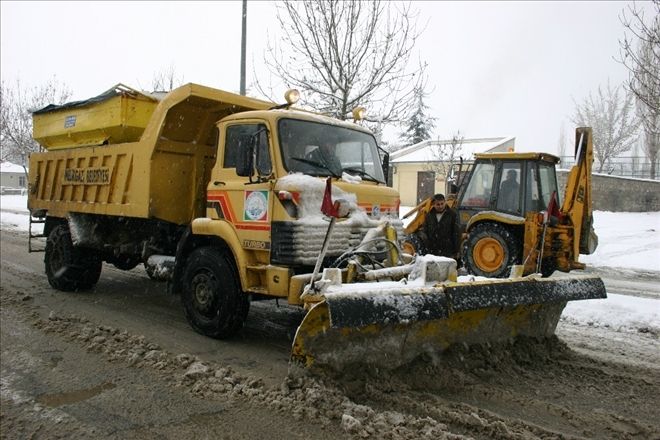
{"x": 69, "y": 268}
{"x": 212, "y": 299}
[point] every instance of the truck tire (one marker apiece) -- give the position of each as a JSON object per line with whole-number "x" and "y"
{"x": 490, "y": 250}
{"x": 212, "y": 299}
{"x": 69, "y": 268}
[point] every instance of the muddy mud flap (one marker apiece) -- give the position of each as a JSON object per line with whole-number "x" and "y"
{"x": 392, "y": 327}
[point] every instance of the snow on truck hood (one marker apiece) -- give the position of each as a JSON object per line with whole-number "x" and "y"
{"x": 313, "y": 189}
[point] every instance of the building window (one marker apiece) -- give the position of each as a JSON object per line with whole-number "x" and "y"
{"x": 21, "y": 181}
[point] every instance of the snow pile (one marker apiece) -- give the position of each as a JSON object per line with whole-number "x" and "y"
{"x": 618, "y": 312}
{"x": 13, "y": 202}
{"x": 626, "y": 239}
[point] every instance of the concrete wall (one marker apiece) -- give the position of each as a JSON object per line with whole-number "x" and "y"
{"x": 620, "y": 194}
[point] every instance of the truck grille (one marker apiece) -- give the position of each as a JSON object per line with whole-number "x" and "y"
{"x": 295, "y": 243}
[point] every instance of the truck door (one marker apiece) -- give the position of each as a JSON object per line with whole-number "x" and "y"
{"x": 245, "y": 202}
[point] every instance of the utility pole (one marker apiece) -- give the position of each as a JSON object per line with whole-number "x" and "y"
{"x": 243, "y": 34}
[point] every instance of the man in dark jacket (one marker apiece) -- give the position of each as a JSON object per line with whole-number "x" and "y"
{"x": 440, "y": 233}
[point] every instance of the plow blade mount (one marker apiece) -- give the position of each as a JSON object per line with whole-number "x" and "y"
{"x": 390, "y": 327}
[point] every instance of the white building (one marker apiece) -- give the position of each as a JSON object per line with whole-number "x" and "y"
{"x": 12, "y": 176}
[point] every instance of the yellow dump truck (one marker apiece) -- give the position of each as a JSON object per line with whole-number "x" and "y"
{"x": 233, "y": 199}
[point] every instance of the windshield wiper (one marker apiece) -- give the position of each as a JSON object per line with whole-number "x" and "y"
{"x": 362, "y": 173}
{"x": 317, "y": 165}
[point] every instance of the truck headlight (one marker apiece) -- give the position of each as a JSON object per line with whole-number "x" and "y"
{"x": 292, "y": 96}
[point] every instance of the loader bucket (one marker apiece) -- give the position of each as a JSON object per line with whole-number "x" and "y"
{"x": 390, "y": 327}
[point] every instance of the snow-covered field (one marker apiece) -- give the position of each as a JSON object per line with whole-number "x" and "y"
{"x": 627, "y": 240}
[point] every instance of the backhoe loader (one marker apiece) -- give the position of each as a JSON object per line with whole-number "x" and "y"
{"x": 508, "y": 206}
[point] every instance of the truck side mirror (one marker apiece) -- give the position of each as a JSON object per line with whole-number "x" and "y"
{"x": 263, "y": 163}
{"x": 244, "y": 161}
{"x": 386, "y": 164}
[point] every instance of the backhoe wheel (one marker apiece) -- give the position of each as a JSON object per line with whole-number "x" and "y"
{"x": 413, "y": 245}
{"x": 69, "y": 268}
{"x": 548, "y": 267}
{"x": 212, "y": 299}
{"x": 490, "y": 250}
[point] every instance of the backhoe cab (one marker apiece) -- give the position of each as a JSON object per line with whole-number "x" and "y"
{"x": 508, "y": 206}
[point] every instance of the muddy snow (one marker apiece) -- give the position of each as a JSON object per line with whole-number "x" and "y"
{"x": 121, "y": 362}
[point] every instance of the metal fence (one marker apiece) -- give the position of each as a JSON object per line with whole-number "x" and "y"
{"x": 624, "y": 166}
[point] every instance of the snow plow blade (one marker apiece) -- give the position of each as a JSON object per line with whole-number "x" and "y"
{"x": 390, "y": 327}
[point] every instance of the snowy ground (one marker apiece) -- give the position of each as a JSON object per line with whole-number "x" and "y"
{"x": 628, "y": 242}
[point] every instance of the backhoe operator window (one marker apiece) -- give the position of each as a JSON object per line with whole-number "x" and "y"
{"x": 508, "y": 199}
{"x": 477, "y": 194}
{"x": 543, "y": 183}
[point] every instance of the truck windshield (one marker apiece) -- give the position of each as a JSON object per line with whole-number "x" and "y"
{"x": 328, "y": 150}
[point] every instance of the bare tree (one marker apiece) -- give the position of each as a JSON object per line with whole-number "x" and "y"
{"x": 166, "y": 80}
{"x": 347, "y": 54}
{"x": 16, "y": 106}
{"x": 612, "y": 118}
{"x": 640, "y": 53}
{"x": 561, "y": 143}
{"x": 445, "y": 155}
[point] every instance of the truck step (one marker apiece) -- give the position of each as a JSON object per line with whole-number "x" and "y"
{"x": 257, "y": 267}
{"x": 40, "y": 244}
{"x": 258, "y": 290}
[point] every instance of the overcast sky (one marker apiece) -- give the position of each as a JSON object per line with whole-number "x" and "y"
{"x": 495, "y": 68}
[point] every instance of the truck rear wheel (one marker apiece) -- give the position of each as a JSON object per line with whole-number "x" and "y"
{"x": 69, "y": 268}
{"x": 212, "y": 299}
{"x": 490, "y": 250}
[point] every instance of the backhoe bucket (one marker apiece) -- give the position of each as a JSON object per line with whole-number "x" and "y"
{"x": 390, "y": 324}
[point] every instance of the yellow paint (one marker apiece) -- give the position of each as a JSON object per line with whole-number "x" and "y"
{"x": 546, "y": 157}
{"x": 488, "y": 254}
{"x": 169, "y": 161}
{"x": 119, "y": 119}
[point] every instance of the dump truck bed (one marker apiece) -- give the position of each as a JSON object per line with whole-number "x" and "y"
{"x": 117, "y": 115}
{"x": 163, "y": 175}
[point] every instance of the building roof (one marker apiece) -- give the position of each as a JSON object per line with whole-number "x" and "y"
{"x": 427, "y": 151}
{"x": 8, "y": 167}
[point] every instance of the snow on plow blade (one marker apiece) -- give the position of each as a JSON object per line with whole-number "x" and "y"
{"x": 391, "y": 327}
